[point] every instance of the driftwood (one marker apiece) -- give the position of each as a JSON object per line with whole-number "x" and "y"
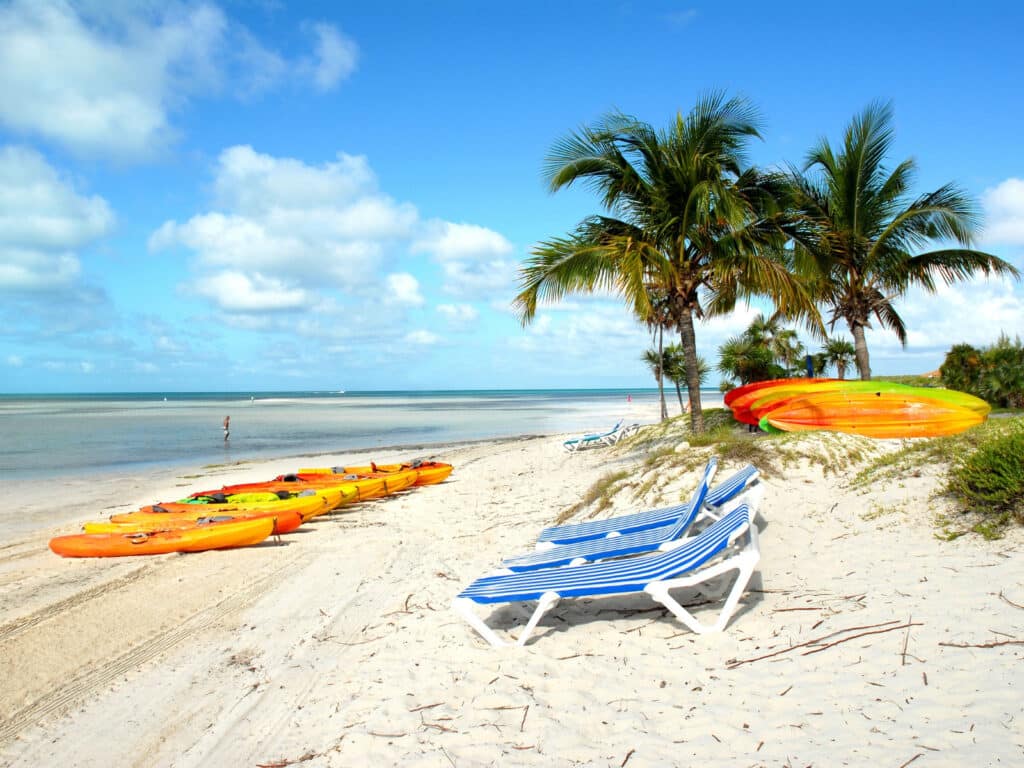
{"x": 983, "y": 645}
{"x": 734, "y": 664}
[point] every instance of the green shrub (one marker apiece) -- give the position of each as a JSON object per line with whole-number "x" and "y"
{"x": 993, "y": 474}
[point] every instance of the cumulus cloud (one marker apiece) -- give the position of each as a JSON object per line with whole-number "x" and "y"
{"x": 476, "y": 261}
{"x": 1004, "y": 210}
{"x": 289, "y": 219}
{"x": 335, "y": 57}
{"x": 44, "y": 223}
{"x": 404, "y": 288}
{"x": 236, "y": 292}
{"x": 458, "y": 314}
{"x": 122, "y": 71}
{"x": 422, "y": 338}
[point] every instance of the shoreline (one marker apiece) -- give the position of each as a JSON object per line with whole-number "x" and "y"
{"x": 337, "y": 646}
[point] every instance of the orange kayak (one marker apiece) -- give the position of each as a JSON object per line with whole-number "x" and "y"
{"x": 364, "y": 487}
{"x": 197, "y": 539}
{"x": 305, "y": 506}
{"x": 427, "y": 472}
{"x": 284, "y": 522}
{"x": 880, "y": 414}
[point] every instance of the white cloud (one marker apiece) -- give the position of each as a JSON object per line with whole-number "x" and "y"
{"x": 111, "y": 86}
{"x": 107, "y": 80}
{"x": 336, "y": 57}
{"x": 44, "y": 222}
{"x": 474, "y": 259}
{"x": 1004, "y": 211}
{"x": 15, "y": 361}
{"x": 86, "y": 367}
{"x": 458, "y": 314}
{"x": 422, "y": 338}
{"x": 403, "y": 288}
{"x": 236, "y": 292}
{"x": 286, "y": 218}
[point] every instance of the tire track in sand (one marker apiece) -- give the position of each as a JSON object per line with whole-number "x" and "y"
{"x": 92, "y": 679}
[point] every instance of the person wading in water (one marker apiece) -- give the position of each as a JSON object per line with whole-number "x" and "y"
{"x": 227, "y": 427}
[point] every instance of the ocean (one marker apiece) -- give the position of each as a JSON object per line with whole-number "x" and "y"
{"x": 83, "y": 434}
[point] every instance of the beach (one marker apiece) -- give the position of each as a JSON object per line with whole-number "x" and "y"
{"x": 862, "y": 637}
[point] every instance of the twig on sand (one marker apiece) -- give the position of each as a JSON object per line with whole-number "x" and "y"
{"x": 1008, "y": 600}
{"x": 626, "y": 759}
{"x": 522, "y": 723}
{"x": 282, "y": 763}
{"x": 919, "y": 754}
{"x": 426, "y": 706}
{"x": 983, "y": 645}
{"x": 905, "y": 641}
{"x": 862, "y": 634}
{"x": 736, "y": 663}
{"x": 445, "y": 751}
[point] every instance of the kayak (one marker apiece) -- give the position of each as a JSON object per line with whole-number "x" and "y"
{"x": 360, "y": 487}
{"x": 196, "y": 539}
{"x": 879, "y": 414}
{"x": 284, "y": 522}
{"x": 306, "y": 506}
{"x": 272, "y": 493}
{"x": 427, "y": 472}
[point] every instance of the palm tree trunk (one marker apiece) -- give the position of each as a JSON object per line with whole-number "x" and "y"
{"x": 679, "y": 394}
{"x": 688, "y": 342}
{"x": 661, "y": 372}
{"x": 841, "y": 369}
{"x": 860, "y": 347}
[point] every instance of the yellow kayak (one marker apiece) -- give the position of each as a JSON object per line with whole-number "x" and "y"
{"x": 427, "y": 472}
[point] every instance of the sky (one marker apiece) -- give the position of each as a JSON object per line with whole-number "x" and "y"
{"x": 254, "y": 196}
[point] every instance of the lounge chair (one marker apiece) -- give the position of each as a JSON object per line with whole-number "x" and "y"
{"x": 723, "y": 492}
{"x": 734, "y": 538}
{"x": 640, "y": 542}
{"x": 593, "y": 440}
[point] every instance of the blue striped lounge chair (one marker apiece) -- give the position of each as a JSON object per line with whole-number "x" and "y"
{"x": 592, "y": 440}
{"x": 716, "y": 497}
{"x": 640, "y": 542}
{"x": 726, "y": 545}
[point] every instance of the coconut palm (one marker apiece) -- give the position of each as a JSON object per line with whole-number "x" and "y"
{"x": 675, "y": 370}
{"x": 840, "y": 353}
{"x": 687, "y": 221}
{"x": 748, "y": 360}
{"x": 863, "y": 229}
{"x": 655, "y": 359}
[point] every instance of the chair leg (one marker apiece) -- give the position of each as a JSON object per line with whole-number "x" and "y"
{"x": 465, "y": 608}
{"x": 742, "y": 564}
{"x": 547, "y": 601}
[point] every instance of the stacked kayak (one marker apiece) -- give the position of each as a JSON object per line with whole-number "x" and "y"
{"x": 427, "y": 472}
{"x": 242, "y": 514}
{"x": 870, "y": 408}
{"x": 241, "y": 533}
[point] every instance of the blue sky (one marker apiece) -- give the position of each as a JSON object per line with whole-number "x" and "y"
{"x": 262, "y": 195}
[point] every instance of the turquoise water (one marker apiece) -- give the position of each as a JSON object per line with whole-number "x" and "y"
{"x": 43, "y": 435}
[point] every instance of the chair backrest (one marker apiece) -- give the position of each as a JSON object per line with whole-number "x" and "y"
{"x": 696, "y": 501}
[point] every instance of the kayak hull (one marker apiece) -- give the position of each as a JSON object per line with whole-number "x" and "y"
{"x": 196, "y": 539}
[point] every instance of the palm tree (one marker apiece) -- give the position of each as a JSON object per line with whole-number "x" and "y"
{"x": 687, "y": 221}
{"x": 862, "y": 229}
{"x": 748, "y": 360}
{"x": 675, "y": 370}
{"x": 655, "y": 359}
{"x": 840, "y": 353}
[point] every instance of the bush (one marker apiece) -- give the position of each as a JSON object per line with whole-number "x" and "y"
{"x": 993, "y": 474}
{"x": 995, "y": 373}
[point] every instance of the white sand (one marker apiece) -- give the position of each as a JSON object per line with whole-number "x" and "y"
{"x": 338, "y": 646}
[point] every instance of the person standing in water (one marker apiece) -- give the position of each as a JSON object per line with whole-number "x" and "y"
{"x": 227, "y": 427}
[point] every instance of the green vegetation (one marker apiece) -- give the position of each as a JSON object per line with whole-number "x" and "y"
{"x": 689, "y": 230}
{"x": 994, "y": 373}
{"x": 993, "y": 474}
{"x": 860, "y": 232}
